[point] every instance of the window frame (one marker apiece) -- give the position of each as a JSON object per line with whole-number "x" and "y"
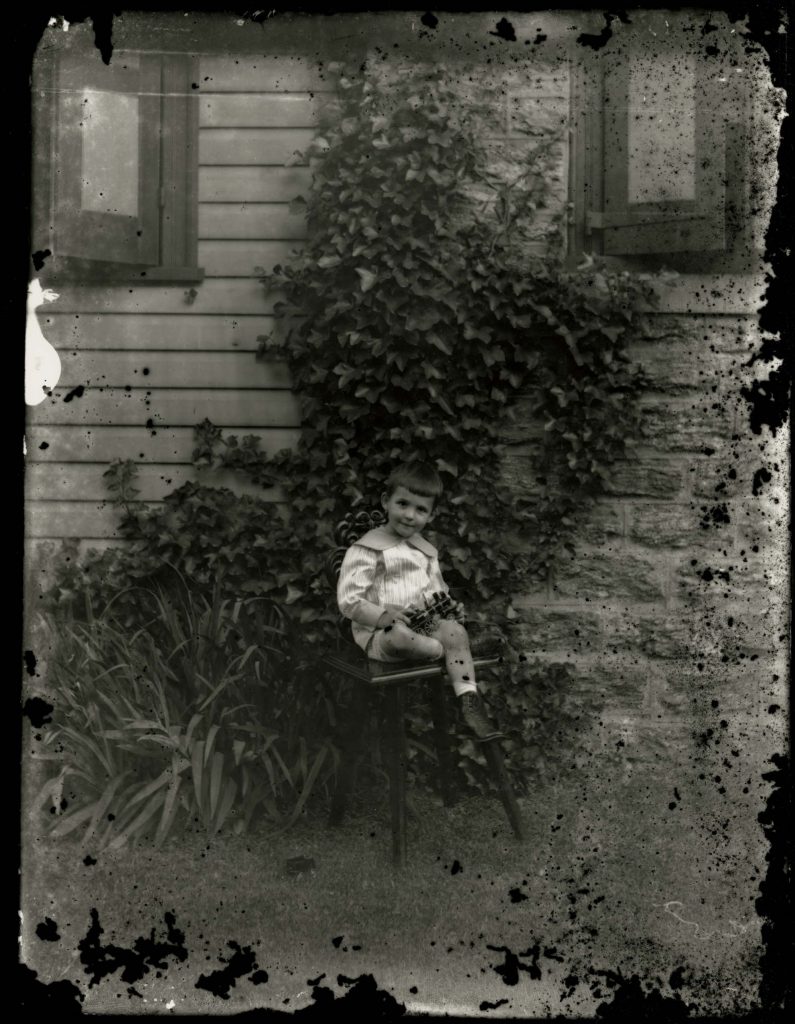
{"x": 170, "y": 131}
{"x": 587, "y": 183}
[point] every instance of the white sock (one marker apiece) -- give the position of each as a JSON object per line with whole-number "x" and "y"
{"x": 460, "y": 687}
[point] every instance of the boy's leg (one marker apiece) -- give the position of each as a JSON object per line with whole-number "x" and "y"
{"x": 457, "y": 655}
{"x": 461, "y": 670}
{"x": 400, "y": 642}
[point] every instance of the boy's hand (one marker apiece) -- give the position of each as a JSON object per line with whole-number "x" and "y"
{"x": 459, "y": 612}
{"x": 389, "y": 618}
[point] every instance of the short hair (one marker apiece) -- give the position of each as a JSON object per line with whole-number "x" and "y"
{"x": 419, "y": 477}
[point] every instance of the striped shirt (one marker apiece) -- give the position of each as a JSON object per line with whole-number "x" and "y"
{"x": 382, "y": 572}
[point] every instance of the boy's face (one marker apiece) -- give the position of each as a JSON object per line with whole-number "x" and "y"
{"x": 406, "y": 512}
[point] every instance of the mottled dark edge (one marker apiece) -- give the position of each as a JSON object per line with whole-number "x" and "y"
{"x": 25, "y": 29}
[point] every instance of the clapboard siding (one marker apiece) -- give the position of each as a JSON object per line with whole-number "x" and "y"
{"x": 158, "y": 445}
{"x": 261, "y": 146}
{"x": 196, "y": 342}
{"x": 177, "y": 332}
{"x": 250, "y": 220}
{"x": 85, "y": 482}
{"x": 263, "y": 74}
{"x": 227, "y": 295}
{"x": 264, "y": 110}
{"x": 243, "y": 258}
{"x": 252, "y": 184}
{"x": 169, "y": 407}
{"x": 87, "y": 520}
{"x": 81, "y": 519}
{"x": 171, "y": 370}
{"x": 42, "y": 550}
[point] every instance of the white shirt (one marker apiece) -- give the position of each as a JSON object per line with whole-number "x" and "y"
{"x": 382, "y": 572}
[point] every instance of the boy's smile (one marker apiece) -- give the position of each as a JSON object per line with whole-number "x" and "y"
{"x": 407, "y": 513}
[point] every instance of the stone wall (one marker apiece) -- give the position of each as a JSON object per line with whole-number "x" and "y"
{"x": 674, "y": 606}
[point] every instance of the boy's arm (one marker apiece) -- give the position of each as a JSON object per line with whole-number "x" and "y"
{"x": 436, "y": 579}
{"x": 438, "y": 584}
{"x": 356, "y": 577}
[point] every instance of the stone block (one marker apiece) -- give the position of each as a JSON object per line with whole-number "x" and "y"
{"x": 518, "y": 473}
{"x": 665, "y": 636}
{"x": 702, "y": 574}
{"x": 683, "y": 425}
{"x": 551, "y": 629}
{"x": 709, "y": 689}
{"x": 662, "y": 524}
{"x": 721, "y": 476}
{"x": 682, "y": 364}
{"x": 604, "y": 520}
{"x": 645, "y": 477}
{"x": 622, "y": 681}
{"x": 608, "y": 573}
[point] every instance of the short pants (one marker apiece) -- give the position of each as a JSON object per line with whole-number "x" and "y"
{"x": 375, "y": 648}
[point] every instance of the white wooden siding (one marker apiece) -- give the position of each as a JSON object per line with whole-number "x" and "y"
{"x": 154, "y": 360}
{"x": 169, "y": 332}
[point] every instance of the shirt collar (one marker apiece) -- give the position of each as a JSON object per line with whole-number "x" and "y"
{"x": 380, "y": 539}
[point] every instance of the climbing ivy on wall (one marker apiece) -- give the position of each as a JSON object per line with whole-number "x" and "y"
{"x": 416, "y": 316}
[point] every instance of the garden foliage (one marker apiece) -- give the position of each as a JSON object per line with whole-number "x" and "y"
{"x": 182, "y": 720}
{"x": 413, "y": 321}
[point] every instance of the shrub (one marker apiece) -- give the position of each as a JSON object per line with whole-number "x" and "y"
{"x": 167, "y": 722}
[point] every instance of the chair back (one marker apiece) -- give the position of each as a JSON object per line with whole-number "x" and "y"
{"x": 347, "y": 531}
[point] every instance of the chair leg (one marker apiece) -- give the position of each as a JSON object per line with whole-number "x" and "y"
{"x": 493, "y": 753}
{"x": 441, "y": 734}
{"x": 352, "y": 743}
{"x": 395, "y": 724}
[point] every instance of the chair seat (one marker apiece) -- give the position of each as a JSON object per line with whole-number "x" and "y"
{"x": 352, "y": 660}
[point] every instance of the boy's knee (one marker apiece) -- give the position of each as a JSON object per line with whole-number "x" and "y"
{"x": 398, "y": 633}
{"x": 451, "y": 633}
{"x": 401, "y": 636}
{"x": 401, "y": 640}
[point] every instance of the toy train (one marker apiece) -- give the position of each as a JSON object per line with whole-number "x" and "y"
{"x": 438, "y": 606}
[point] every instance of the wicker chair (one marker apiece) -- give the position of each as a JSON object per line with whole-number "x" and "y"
{"x": 389, "y": 681}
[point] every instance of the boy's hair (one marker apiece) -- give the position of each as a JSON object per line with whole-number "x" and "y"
{"x": 418, "y": 477}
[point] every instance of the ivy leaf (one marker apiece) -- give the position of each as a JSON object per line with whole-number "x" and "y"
{"x": 446, "y": 467}
{"x": 367, "y": 277}
{"x": 442, "y": 345}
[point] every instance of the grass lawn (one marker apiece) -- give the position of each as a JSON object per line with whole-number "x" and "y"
{"x": 599, "y": 885}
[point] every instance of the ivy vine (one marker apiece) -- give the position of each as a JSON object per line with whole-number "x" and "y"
{"x": 417, "y": 316}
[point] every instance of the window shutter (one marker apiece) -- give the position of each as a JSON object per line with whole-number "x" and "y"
{"x": 107, "y": 184}
{"x": 664, "y": 151}
{"x": 179, "y": 148}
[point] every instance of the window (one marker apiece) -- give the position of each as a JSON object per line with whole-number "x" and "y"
{"x": 662, "y": 165}
{"x": 115, "y": 166}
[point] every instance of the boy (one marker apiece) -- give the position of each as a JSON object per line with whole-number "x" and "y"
{"x": 389, "y": 571}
